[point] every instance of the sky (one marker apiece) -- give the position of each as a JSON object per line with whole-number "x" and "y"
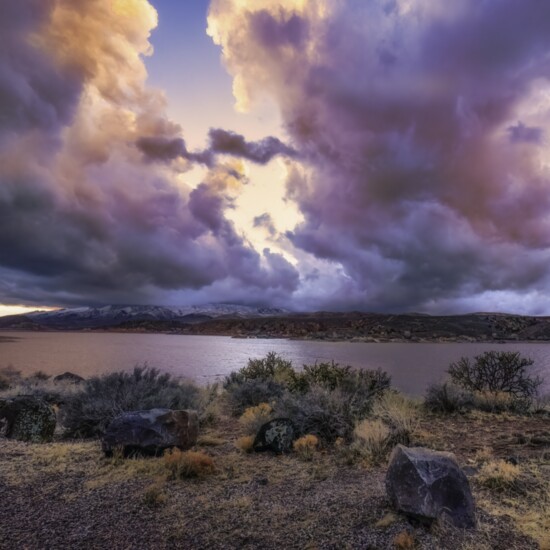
{"x": 389, "y": 155}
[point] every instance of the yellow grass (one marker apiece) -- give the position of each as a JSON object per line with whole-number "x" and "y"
{"x": 306, "y": 446}
{"x": 254, "y": 417}
{"x": 182, "y": 465}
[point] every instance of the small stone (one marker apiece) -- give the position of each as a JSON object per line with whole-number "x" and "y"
{"x": 429, "y": 485}
{"x": 28, "y": 418}
{"x": 276, "y": 435}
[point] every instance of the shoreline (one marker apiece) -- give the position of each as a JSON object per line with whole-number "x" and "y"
{"x": 354, "y": 340}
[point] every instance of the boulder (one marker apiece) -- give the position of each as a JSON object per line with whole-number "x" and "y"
{"x": 69, "y": 378}
{"x": 28, "y": 418}
{"x": 429, "y": 485}
{"x": 151, "y": 432}
{"x": 276, "y": 435}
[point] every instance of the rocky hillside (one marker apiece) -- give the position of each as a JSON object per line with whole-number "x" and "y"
{"x": 248, "y": 322}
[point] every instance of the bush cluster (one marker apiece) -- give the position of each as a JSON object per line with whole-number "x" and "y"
{"x": 102, "y": 398}
{"x": 493, "y": 382}
{"x": 325, "y": 400}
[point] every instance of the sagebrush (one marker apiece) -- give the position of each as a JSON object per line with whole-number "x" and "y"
{"x": 102, "y": 398}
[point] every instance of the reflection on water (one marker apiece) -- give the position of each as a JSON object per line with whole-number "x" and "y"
{"x": 207, "y": 358}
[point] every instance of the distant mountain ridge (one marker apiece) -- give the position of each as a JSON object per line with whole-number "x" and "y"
{"x": 112, "y": 315}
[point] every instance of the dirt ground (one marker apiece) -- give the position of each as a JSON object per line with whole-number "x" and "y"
{"x": 67, "y": 495}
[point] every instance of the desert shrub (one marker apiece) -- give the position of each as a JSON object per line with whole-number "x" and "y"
{"x": 498, "y": 402}
{"x": 250, "y": 393}
{"x": 332, "y": 376}
{"x": 102, "y": 398}
{"x": 496, "y": 372}
{"x": 254, "y": 418}
{"x": 326, "y": 414}
{"x": 271, "y": 367}
{"x": 306, "y": 446}
{"x": 447, "y": 398}
{"x": 208, "y": 404}
{"x": 400, "y": 413}
{"x": 188, "y": 464}
{"x": 500, "y": 475}
{"x": 8, "y": 377}
{"x": 327, "y": 375}
{"x": 39, "y": 376}
{"x": 371, "y": 441}
{"x": 245, "y": 444}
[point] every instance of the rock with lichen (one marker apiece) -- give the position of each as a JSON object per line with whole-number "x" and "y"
{"x": 27, "y": 418}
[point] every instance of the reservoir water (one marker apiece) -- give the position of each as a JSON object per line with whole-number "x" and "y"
{"x": 209, "y": 358}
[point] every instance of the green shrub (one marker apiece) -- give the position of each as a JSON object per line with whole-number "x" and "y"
{"x": 447, "y": 398}
{"x": 332, "y": 376}
{"x": 327, "y": 414}
{"x": 271, "y": 367}
{"x": 250, "y": 393}
{"x": 88, "y": 412}
{"x": 327, "y": 375}
{"x": 320, "y": 412}
{"x": 496, "y": 372}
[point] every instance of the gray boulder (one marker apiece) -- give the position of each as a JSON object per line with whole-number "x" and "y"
{"x": 276, "y": 435}
{"x": 27, "y": 418}
{"x": 151, "y": 432}
{"x": 429, "y": 485}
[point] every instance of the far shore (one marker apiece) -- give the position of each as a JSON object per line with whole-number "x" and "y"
{"x": 354, "y": 340}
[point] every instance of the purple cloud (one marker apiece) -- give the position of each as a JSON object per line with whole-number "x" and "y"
{"x": 413, "y": 189}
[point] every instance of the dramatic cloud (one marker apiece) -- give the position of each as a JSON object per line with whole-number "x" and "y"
{"x": 83, "y": 218}
{"x": 420, "y": 127}
{"x": 221, "y": 142}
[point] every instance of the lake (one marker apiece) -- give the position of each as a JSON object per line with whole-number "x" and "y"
{"x": 209, "y": 358}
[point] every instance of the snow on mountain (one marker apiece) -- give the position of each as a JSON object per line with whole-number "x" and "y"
{"x": 109, "y": 315}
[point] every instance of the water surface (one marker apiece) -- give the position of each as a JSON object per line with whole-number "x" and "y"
{"x": 207, "y": 358}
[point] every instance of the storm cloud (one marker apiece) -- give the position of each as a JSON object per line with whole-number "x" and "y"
{"x": 420, "y": 126}
{"x": 83, "y": 218}
{"x": 222, "y": 142}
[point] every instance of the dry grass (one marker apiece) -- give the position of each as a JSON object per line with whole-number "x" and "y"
{"x": 245, "y": 443}
{"x": 154, "y": 495}
{"x": 306, "y": 446}
{"x": 500, "y": 475}
{"x": 210, "y": 441}
{"x": 261, "y": 500}
{"x": 522, "y": 494}
{"x": 399, "y": 412}
{"x": 254, "y": 418}
{"x": 389, "y": 519}
{"x": 188, "y": 464}
{"x": 404, "y": 541}
{"x": 371, "y": 441}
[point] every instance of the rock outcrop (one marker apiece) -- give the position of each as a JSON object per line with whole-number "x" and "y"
{"x": 27, "y": 418}
{"x": 151, "y": 432}
{"x": 429, "y": 485}
{"x": 276, "y": 435}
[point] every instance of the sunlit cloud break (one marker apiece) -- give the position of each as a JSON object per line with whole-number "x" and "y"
{"x": 416, "y": 152}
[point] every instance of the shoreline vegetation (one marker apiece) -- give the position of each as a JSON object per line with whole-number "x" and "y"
{"x": 321, "y": 326}
{"x": 327, "y": 491}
